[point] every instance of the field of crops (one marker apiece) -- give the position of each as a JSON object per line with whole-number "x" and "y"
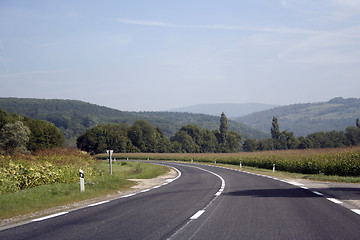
{"x": 47, "y": 167}
{"x": 334, "y": 161}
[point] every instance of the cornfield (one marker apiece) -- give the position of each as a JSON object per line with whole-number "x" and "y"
{"x": 334, "y": 161}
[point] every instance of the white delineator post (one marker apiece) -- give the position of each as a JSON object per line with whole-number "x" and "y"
{"x": 110, "y": 152}
{"x": 82, "y": 183}
{"x": 274, "y": 168}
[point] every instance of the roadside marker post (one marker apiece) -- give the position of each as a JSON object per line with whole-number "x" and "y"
{"x": 110, "y": 152}
{"x": 240, "y": 165}
{"x": 82, "y": 183}
{"x": 274, "y": 167}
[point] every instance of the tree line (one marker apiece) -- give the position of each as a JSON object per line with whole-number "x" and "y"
{"x": 282, "y": 140}
{"x": 24, "y": 134}
{"x": 143, "y": 137}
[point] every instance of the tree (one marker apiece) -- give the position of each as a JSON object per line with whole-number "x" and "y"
{"x": 186, "y": 142}
{"x": 224, "y": 131}
{"x": 146, "y": 138}
{"x": 290, "y": 141}
{"x": 14, "y": 137}
{"x": 353, "y": 135}
{"x": 209, "y": 142}
{"x": 43, "y": 135}
{"x": 233, "y": 142}
{"x": 275, "y": 133}
{"x": 265, "y": 144}
{"x": 358, "y": 123}
{"x": 250, "y": 145}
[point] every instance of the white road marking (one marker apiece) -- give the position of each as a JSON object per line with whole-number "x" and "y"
{"x": 129, "y": 195}
{"x": 356, "y": 211}
{"x": 145, "y": 190}
{"x": 98, "y": 203}
{"x": 197, "y": 215}
{"x": 296, "y": 183}
{"x": 48, "y": 217}
{"x": 317, "y": 193}
{"x": 334, "y": 200}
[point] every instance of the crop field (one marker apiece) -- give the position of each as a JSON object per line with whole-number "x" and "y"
{"x": 334, "y": 161}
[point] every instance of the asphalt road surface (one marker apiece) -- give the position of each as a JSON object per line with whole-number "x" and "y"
{"x": 205, "y": 202}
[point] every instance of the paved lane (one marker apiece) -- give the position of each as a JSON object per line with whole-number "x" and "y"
{"x": 255, "y": 207}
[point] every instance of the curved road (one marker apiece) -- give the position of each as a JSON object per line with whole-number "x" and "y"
{"x": 204, "y": 203}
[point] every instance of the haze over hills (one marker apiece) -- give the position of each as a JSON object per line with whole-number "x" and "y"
{"x": 303, "y": 119}
{"x": 231, "y": 110}
{"x": 73, "y": 117}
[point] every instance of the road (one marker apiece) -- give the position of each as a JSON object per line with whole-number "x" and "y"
{"x": 205, "y": 202}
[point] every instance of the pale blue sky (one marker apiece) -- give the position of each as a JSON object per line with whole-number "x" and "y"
{"x": 157, "y": 55}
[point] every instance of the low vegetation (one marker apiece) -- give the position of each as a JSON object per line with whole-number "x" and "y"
{"x": 50, "y": 178}
{"x": 333, "y": 161}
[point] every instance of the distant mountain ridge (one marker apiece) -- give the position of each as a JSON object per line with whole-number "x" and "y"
{"x": 303, "y": 119}
{"x": 73, "y": 117}
{"x": 231, "y": 110}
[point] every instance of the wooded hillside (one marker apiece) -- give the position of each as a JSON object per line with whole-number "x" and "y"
{"x": 74, "y": 117}
{"x": 303, "y": 119}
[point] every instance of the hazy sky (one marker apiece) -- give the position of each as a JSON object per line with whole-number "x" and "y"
{"x": 156, "y": 55}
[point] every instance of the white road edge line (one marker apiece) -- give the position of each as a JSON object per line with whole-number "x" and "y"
{"x": 50, "y": 216}
{"x": 129, "y": 195}
{"x": 334, "y": 200}
{"x": 98, "y": 203}
{"x": 296, "y": 183}
{"x": 356, "y": 211}
{"x": 197, "y": 215}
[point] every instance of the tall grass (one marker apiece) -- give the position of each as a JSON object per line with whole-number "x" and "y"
{"x": 334, "y": 161}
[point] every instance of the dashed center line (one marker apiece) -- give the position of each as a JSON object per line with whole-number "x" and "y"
{"x": 197, "y": 215}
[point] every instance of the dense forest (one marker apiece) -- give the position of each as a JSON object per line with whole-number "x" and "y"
{"x": 303, "y": 119}
{"x": 74, "y": 117}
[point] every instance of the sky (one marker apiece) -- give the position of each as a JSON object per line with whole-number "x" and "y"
{"x": 156, "y": 55}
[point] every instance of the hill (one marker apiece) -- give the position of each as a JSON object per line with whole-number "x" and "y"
{"x": 231, "y": 110}
{"x": 73, "y": 117}
{"x": 303, "y": 119}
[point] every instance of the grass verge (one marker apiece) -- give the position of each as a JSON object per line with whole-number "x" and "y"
{"x": 51, "y": 195}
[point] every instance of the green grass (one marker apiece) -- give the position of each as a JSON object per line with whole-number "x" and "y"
{"x": 52, "y": 195}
